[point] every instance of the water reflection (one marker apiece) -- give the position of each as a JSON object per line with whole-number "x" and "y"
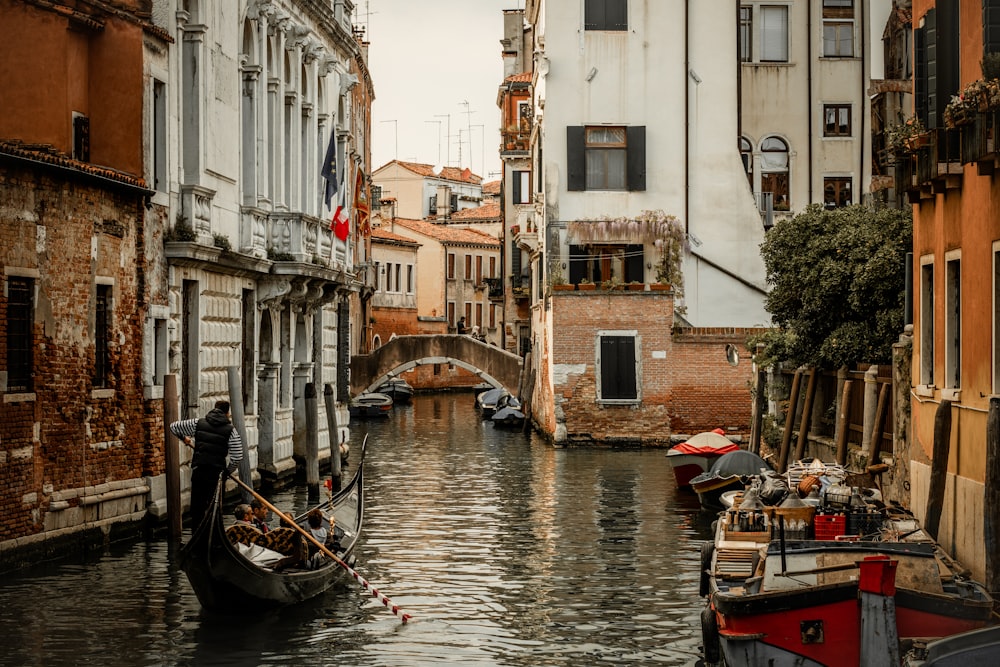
{"x": 506, "y": 551}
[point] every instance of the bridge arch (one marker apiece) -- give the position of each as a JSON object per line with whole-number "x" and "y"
{"x": 401, "y": 353}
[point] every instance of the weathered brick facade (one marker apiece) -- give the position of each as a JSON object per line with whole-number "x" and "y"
{"x": 686, "y": 383}
{"x": 71, "y": 452}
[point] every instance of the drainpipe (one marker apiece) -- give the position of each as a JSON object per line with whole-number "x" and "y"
{"x": 809, "y": 97}
{"x": 739, "y": 83}
{"x": 687, "y": 118}
{"x": 865, "y": 108}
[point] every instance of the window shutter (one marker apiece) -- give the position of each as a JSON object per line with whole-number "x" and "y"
{"x": 618, "y": 367}
{"x": 515, "y": 262}
{"x": 577, "y": 263}
{"x": 593, "y": 15}
{"x": 920, "y": 74}
{"x": 516, "y": 189}
{"x": 991, "y": 26}
{"x": 616, "y": 14}
{"x": 576, "y": 172}
{"x": 636, "y": 164}
{"x": 633, "y": 264}
{"x": 947, "y": 55}
{"x": 930, "y": 46}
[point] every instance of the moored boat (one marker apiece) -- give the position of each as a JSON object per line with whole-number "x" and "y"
{"x": 370, "y": 404}
{"x": 486, "y": 402}
{"x": 727, "y": 473}
{"x": 696, "y": 455}
{"x": 508, "y": 412}
{"x": 782, "y": 581}
{"x": 398, "y": 389}
{"x": 232, "y": 577}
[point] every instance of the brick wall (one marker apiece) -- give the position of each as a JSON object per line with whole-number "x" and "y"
{"x": 71, "y": 435}
{"x": 686, "y": 383}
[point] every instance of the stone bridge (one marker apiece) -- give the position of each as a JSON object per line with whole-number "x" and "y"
{"x": 402, "y": 353}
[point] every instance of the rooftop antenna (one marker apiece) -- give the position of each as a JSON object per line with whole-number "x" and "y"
{"x": 439, "y": 138}
{"x": 482, "y": 147}
{"x": 468, "y": 113}
{"x": 447, "y": 134}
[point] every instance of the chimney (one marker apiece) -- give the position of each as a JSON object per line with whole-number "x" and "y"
{"x": 443, "y": 203}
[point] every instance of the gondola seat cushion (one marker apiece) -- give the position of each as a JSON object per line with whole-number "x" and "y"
{"x": 244, "y": 534}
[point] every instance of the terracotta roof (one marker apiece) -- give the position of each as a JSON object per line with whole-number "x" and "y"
{"x": 489, "y": 211}
{"x": 448, "y": 173}
{"x": 523, "y": 77}
{"x": 491, "y": 188}
{"x": 385, "y": 235}
{"x": 448, "y": 234}
{"x": 47, "y": 154}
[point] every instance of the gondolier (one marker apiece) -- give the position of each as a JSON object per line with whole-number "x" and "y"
{"x": 214, "y": 436}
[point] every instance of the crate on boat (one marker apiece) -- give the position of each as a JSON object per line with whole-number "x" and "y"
{"x": 829, "y": 526}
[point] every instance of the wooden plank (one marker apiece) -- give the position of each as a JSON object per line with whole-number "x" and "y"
{"x": 786, "y": 440}
{"x": 800, "y": 447}
{"x": 845, "y": 402}
{"x": 939, "y": 468}
{"x": 875, "y": 444}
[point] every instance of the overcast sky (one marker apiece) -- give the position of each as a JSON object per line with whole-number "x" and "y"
{"x": 427, "y": 58}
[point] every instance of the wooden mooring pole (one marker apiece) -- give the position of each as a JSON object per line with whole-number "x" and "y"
{"x": 330, "y": 402}
{"x": 786, "y": 440}
{"x": 312, "y": 444}
{"x": 939, "y": 469}
{"x": 172, "y": 458}
{"x": 991, "y": 501}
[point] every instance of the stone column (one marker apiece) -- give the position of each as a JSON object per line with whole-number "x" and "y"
{"x": 267, "y": 404}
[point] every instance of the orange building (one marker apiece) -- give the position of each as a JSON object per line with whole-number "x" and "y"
{"x": 950, "y": 179}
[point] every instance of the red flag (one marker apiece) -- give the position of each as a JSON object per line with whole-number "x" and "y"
{"x": 339, "y": 224}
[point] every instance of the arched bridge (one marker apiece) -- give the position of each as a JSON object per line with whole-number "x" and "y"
{"x": 402, "y": 353}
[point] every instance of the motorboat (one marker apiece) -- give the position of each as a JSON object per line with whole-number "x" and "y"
{"x": 696, "y": 455}
{"x": 508, "y": 412}
{"x": 728, "y": 472}
{"x": 398, "y": 389}
{"x": 786, "y": 584}
{"x": 486, "y": 402}
{"x": 370, "y": 404}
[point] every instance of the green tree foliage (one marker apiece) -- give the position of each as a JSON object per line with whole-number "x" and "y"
{"x": 837, "y": 285}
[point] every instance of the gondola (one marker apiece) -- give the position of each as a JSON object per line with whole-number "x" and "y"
{"x": 225, "y": 580}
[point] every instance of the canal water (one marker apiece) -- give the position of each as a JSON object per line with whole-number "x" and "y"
{"x": 505, "y": 550}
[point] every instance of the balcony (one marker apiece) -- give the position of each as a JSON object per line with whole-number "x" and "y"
{"x": 515, "y": 141}
{"x": 520, "y": 287}
{"x": 906, "y": 179}
{"x": 939, "y": 164}
{"x": 495, "y": 286}
{"x": 979, "y": 142}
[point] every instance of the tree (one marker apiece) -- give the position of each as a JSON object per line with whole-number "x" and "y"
{"x": 837, "y": 285}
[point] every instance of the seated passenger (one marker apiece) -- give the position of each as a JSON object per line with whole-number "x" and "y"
{"x": 317, "y": 528}
{"x": 243, "y": 531}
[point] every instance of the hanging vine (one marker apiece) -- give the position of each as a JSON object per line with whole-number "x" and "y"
{"x": 664, "y": 231}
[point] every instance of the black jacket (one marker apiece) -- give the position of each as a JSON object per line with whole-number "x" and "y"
{"x": 211, "y": 440}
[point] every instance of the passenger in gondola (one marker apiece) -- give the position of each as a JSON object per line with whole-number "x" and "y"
{"x": 243, "y": 531}
{"x": 259, "y": 515}
{"x": 318, "y": 529}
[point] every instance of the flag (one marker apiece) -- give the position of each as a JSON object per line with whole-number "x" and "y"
{"x": 361, "y": 200}
{"x": 339, "y": 224}
{"x": 329, "y": 169}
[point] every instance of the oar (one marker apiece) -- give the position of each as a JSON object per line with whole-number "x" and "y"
{"x": 389, "y": 604}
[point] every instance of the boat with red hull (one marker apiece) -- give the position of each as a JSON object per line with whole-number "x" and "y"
{"x": 696, "y": 455}
{"x": 778, "y": 601}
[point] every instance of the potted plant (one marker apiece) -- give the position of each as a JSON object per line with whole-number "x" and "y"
{"x": 635, "y": 286}
{"x": 586, "y": 285}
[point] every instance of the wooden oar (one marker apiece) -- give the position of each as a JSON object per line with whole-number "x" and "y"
{"x": 389, "y": 604}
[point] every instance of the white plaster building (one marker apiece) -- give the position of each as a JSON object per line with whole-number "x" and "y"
{"x": 245, "y": 106}
{"x": 424, "y": 191}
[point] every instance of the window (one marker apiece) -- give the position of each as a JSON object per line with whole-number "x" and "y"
{"x": 479, "y": 269}
{"x": 616, "y": 365}
{"x": 81, "y": 137}
{"x": 20, "y": 334}
{"x": 493, "y": 316}
{"x": 102, "y": 336}
{"x": 927, "y": 322}
{"x": 836, "y": 191}
{"x": 836, "y": 120}
{"x": 451, "y": 313}
{"x": 399, "y": 277}
{"x": 746, "y": 34}
{"x": 451, "y": 265}
{"x": 605, "y": 15}
{"x": 774, "y": 34}
{"x": 953, "y": 324}
{"x": 409, "y": 279}
{"x": 493, "y": 267}
{"x": 606, "y": 158}
{"x": 468, "y": 313}
{"x": 159, "y": 136}
{"x": 746, "y": 154}
{"x": 521, "y": 187}
{"x": 468, "y": 267}
{"x": 774, "y": 171}
{"x": 838, "y": 28}
{"x": 479, "y": 315}
{"x": 605, "y": 261}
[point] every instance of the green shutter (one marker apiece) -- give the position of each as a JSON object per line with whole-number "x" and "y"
{"x": 576, "y": 163}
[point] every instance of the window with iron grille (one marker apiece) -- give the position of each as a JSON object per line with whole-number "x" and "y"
{"x": 20, "y": 339}
{"x": 102, "y": 336}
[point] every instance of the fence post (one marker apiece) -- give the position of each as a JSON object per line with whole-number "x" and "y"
{"x": 843, "y": 422}
{"x": 800, "y": 447}
{"x": 786, "y": 440}
{"x": 868, "y": 418}
{"x": 875, "y": 443}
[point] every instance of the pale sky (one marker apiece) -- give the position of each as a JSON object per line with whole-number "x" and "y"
{"x": 427, "y": 58}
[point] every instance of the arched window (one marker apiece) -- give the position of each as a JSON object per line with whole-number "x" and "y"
{"x": 774, "y": 170}
{"x": 746, "y": 154}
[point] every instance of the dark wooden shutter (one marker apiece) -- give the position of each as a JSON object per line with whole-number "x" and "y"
{"x": 618, "y": 368}
{"x": 516, "y": 189}
{"x": 343, "y": 349}
{"x": 616, "y": 15}
{"x": 635, "y": 138}
{"x": 515, "y": 262}
{"x": 633, "y": 264}
{"x": 920, "y": 74}
{"x": 577, "y": 263}
{"x": 991, "y": 26}
{"x": 947, "y": 55}
{"x": 593, "y": 15}
{"x": 576, "y": 160}
{"x": 930, "y": 26}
